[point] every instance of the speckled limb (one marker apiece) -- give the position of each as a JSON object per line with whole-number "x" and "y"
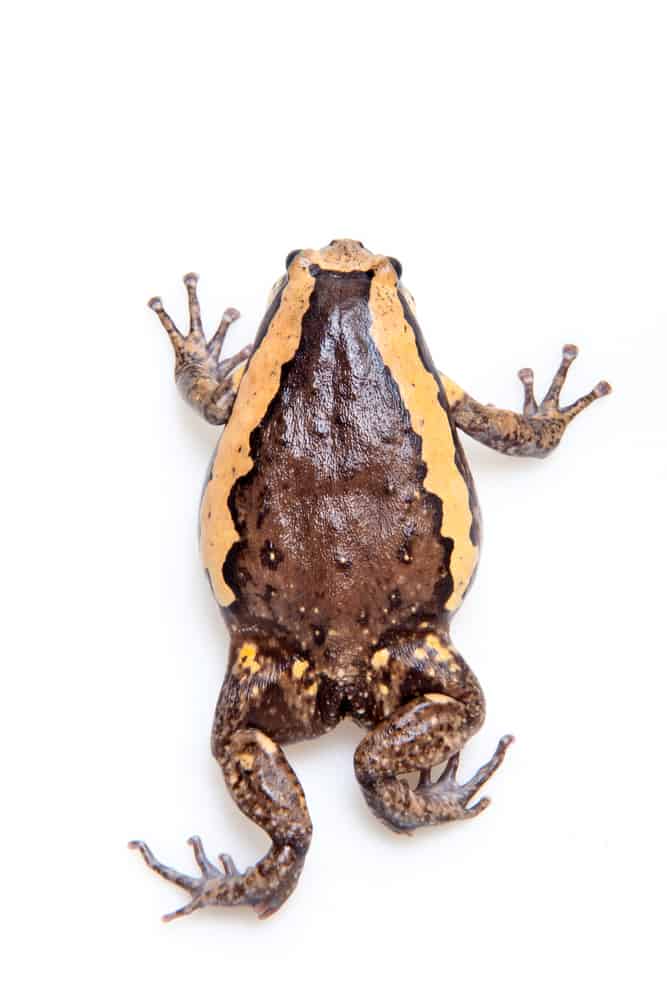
{"x": 267, "y": 790}
{"x": 203, "y": 380}
{"x": 420, "y": 735}
{"x": 537, "y": 431}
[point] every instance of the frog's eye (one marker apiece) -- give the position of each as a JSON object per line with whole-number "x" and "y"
{"x": 290, "y": 257}
{"x": 397, "y": 266}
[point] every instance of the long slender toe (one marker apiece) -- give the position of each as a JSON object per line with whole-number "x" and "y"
{"x": 471, "y": 787}
{"x": 206, "y": 866}
{"x": 228, "y": 865}
{"x": 170, "y": 874}
{"x": 527, "y": 378}
{"x": 570, "y": 351}
{"x": 452, "y": 767}
{"x": 477, "y": 808}
{"x": 183, "y": 911}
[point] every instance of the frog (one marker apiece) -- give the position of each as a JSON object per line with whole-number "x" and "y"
{"x": 340, "y": 532}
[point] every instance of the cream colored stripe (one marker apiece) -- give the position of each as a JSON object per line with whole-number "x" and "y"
{"x": 258, "y": 386}
{"x": 397, "y": 344}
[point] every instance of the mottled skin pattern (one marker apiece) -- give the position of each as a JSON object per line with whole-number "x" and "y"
{"x": 340, "y": 532}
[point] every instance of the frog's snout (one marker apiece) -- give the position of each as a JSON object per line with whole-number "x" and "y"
{"x": 344, "y": 243}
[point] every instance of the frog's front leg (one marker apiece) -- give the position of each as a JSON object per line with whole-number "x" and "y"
{"x": 209, "y": 385}
{"x": 267, "y": 790}
{"x": 534, "y": 433}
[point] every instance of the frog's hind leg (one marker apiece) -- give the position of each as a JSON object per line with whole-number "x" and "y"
{"x": 430, "y": 729}
{"x": 267, "y": 790}
{"x": 269, "y": 698}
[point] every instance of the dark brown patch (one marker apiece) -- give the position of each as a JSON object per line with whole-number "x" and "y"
{"x": 270, "y": 555}
{"x": 319, "y": 476}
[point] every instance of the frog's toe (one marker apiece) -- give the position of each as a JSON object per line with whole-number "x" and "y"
{"x": 551, "y": 404}
{"x": 206, "y": 867}
{"x": 458, "y": 796}
{"x": 597, "y": 392}
{"x": 183, "y": 911}
{"x": 170, "y": 874}
{"x": 478, "y": 807}
{"x": 228, "y": 865}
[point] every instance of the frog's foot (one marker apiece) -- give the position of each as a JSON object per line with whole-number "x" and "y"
{"x": 267, "y": 790}
{"x": 224, "y": 886}
{"x": 205, "y": 890}
{"x": 202, "y": 378}
{"x": 419, "y": 736}
{"x": 193, "y": 347}
{"x": 450, "y": 799}
{"x": 550, "y": 406}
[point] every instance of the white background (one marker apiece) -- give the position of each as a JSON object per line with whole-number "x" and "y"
{"x": 514, "y": 157}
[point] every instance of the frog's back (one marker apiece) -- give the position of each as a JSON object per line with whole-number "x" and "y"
{"x": 339, "y": 502}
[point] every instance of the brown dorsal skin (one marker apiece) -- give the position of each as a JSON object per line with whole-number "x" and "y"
{"x": 340, "y": 532}
{"x": 339, "y": 540}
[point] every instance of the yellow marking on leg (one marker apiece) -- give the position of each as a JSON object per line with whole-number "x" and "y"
{"x": 267, "y": 745}
{"x": 380, "y": 658}
{"x": 246, "y": 760}
{"x": 420, "y": 654}
{"x": 433, "y": 642}
{"x": 247, "y": 659}
{"x": 299, "y": 668}
{"x": 440, "y": 699}
{"x": 257, "y": 387}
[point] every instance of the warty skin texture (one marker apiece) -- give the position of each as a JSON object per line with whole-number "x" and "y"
{"x": 340, "y": 532}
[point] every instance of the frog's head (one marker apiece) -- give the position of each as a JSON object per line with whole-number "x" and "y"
{"x": 342, "y": 257}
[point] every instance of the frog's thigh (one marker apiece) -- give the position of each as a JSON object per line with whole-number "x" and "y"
{"x": 269, "y": 689}
{"x": 412, "y": 666}
{"x": 428, "y": 704}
